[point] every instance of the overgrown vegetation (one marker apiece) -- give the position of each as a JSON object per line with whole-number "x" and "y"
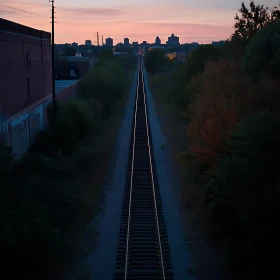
{"x": 49, "y": 195}
{"x": 155, "y": 60}
{"x": 229, "y": 96}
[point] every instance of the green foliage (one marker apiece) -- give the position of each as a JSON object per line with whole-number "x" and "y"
{"x": 74, "y": 121}
{"x": 242, "y": 197}
{"x": 105, "y": 54}
{"x": 263, "y": 52}
{"x": 155, "y": 60}
{"x": 128, "y": 62}
{"x": 198, "y": 57}
{"x": 253, "y": 19}
{"x": 68, "y": 51}
{"x": 105, "y": 84}
{"x": 45, "y": 199}
{"x": 237, "y": 172}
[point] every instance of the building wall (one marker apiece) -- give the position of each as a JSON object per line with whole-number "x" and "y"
{"x": 68, "y": 92}
{"x": 19, "y": 130}
{"x": 22, "y": 57}
{"x": 109, "y": 42}
{"x": 171, "y": 55}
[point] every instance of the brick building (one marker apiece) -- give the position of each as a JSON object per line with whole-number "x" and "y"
{"x": 25, "y": 83}
{"x": 25, "y": 66}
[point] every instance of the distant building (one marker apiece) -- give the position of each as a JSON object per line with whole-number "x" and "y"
{"x": 173, "y": 40}
{"x": 126, "y": 41}
{"x": 171, "y": 55}
{"x": 88, "y": 43}
{"x": 119, "y": 45}
{"x": 219, "y": 43}
{"x": 109, "y": 42}
{"x": 158, "y": 41}
{"x": 182, "y": 56}
{"x": 74, "y": 45}
{"x": 144, "y": 43}
{"x": 134, "y": 44}
{"x": 71, "y": 67}
{"x": 155, "y": 47}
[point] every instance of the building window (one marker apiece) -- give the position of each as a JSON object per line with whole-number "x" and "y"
{"x": 72, "y": 73}
{"x": 28, "y": 88}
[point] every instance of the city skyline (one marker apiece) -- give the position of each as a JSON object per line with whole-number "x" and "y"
{"x": 203, "y": 21}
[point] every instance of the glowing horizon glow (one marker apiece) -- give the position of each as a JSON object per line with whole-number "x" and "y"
{"x": 201, "y": 21}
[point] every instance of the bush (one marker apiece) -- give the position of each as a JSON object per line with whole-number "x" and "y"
{"x": 74, "y": 121}
{"x": 104, "y": 84}
{"x": 242, "y": 197}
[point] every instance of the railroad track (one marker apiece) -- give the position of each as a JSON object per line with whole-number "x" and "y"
{"x": 143, "y": 251}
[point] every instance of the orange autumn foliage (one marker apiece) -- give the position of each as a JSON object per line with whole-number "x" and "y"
{"x": 226, "y": 95}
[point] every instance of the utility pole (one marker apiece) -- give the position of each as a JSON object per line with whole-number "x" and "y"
{"x": 97, "y": 39}
{"x": 102, "y": 41}
{"x": 53, "y": 68}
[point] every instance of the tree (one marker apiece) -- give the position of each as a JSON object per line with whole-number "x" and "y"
{"x": 155, "y": 60}
{"x": 252, "y": 19}
{"x": 243, "y": 195}
{"x": 220, "y": 103}
{"x": 69, "y": 51}
{"x": 198, "y": 57}
{"x": 263, "y": 52}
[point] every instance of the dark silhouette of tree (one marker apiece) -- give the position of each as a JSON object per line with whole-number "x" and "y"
{"x": 69, "y": 51}
{"x": 155, "y": 60}
{"x": 252, "y": 19}
{"x": 198, "y": 57}
{"x": 263, "y": 52}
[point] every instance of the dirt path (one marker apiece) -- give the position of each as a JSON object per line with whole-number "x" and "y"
{"x": 208, "y": 263}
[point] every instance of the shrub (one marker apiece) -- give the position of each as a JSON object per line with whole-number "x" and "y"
{"x": 74, "y": 121}
{"x": 105, "y": 83}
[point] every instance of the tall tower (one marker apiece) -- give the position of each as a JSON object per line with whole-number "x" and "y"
{"x": 97, "y": 39}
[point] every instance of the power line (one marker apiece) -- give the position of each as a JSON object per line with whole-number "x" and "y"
{"x": 7, "y": 6}
{"x": 21, "y": 10}
{"x": 14, "y": 13}
{"x": 53, "y": 68}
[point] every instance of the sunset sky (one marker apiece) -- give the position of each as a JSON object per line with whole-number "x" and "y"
{"x": 200, "y": 21}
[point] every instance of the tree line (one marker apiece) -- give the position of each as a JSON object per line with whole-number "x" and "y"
{"x": 45, "y": 197}
{"x": 230, "y": 98}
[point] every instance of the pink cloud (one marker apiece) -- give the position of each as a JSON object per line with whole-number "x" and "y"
{"x": 90, "y": 11}
{"x": 138, "y": 22}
